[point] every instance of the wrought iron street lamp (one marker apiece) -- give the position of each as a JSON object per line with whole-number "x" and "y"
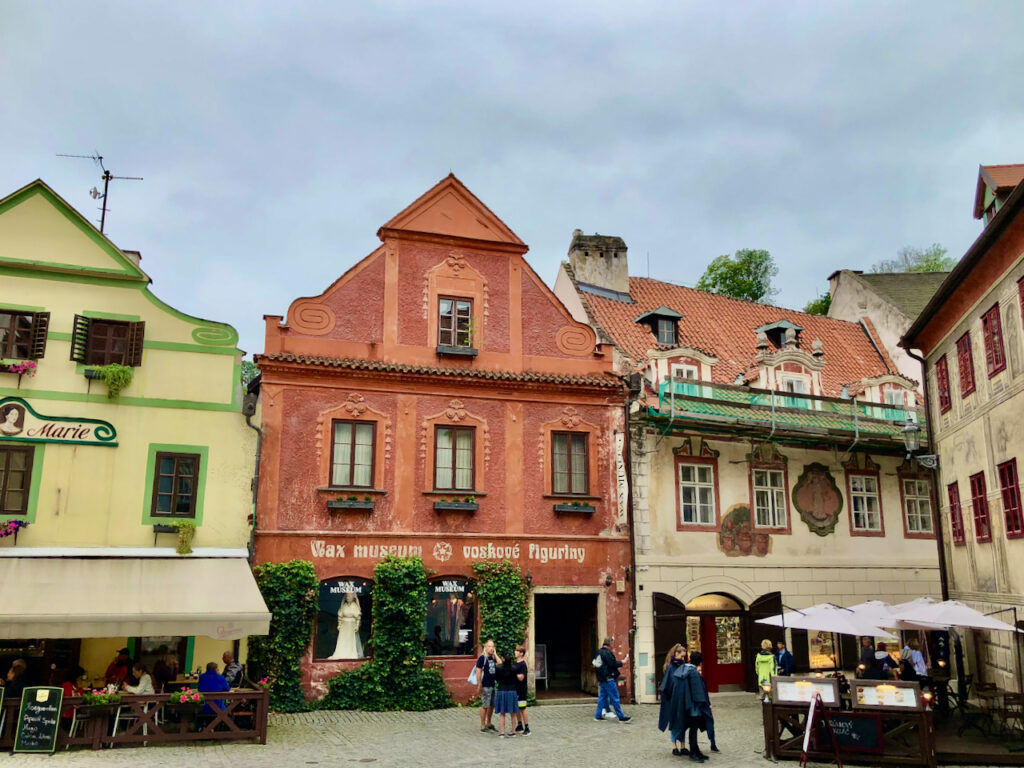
{"x": 911, "y": 434}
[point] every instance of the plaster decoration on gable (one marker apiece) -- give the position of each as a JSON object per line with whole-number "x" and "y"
{"x": 888, "y": 378}
{"x": 703, "y": 449}
{"x": 797, "y": 356}
{"x": 354, "y": 407}
{"x": 762, "y": 344}
{"x": 860, "y": 462}
{"x": 570, "y": 417}
{"x": 791, "y": 342}
{"x": 453, "y": 266}
{"x": 817, "y": 348}
{"x": 312, "y": 318}
{"x": 670, "y": 354}
{"x": 575, "y": 340}
{"x": 766, "y": 453}
{"x": 456, "y": 411}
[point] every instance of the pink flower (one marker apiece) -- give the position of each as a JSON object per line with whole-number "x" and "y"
{"x": 195, "y": 697}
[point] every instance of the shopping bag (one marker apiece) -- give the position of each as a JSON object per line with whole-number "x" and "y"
{"x": 472, "y": 675}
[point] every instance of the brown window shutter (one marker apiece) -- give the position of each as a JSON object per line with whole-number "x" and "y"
{"x": 133, "y": 353}
{"x": 79, "y": 338}
{"x": 40, "y": 326}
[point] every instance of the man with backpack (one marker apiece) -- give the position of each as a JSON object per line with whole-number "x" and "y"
{"x": 607, "y": 668}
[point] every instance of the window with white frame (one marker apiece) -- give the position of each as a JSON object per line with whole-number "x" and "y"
{"x": 769, "y": 498}
{"x": 917, "y": 505}
{"x": 797, "y": 386}
{"x": 864, "y": 503}
{"x": 696, "y": 494}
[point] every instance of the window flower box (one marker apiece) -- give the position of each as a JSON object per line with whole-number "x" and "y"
{"x": 19, "y": 367}
{"x": 164, "y": 528}
{"x": 456, "y": 506}
{"x": 444, "y": 349}
{"x": 577, "y": 507}
{"x": 366, "y": 505}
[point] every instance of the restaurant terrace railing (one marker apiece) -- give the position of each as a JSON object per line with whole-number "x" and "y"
{"x": 697, "y": 405}
{"x": 142, "y": 720}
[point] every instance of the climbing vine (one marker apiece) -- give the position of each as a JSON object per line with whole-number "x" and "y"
{"x": 290, "y": 591}
{"x": 502, "y": 596}
{"x": 394, "y": 678}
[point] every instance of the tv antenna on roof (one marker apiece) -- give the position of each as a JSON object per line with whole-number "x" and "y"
{"x": 97, "y": 158}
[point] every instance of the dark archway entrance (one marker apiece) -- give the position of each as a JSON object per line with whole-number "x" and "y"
{"x": 567, "y": 626}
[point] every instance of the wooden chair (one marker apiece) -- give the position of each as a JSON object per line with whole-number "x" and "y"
{"x": 1011, "y": 714}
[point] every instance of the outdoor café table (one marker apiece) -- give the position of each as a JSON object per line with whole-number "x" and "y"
{"x": 990, "y": 700}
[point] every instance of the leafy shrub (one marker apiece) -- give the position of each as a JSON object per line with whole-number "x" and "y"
{"x": 290, "y": 591}
{"x": 502, "y": 596}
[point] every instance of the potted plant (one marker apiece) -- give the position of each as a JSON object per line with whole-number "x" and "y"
{"x": 11, "y": 528}
{"x": 574, "y": 506}
{"x": 99, "y": 701}
{"x": 457, "y": 504}
{"x": 115, "y": 377}
{"x": 186, "y": 700}
{"x": 20, "y": 367}
{"x": 186, "y": 532}
{"x": 352, "y": 502}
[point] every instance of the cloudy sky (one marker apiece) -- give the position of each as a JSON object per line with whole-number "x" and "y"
{"x": 275, "y": 138}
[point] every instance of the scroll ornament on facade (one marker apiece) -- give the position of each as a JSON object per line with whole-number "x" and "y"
{"x": 737, "y": 537}
{"x": 817, "y": 498}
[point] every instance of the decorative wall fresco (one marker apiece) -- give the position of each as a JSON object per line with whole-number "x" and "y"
{"x": 738, "y": 538}
{"x": 818, "y": 499}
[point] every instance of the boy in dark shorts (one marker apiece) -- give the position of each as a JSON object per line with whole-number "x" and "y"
{"x": 487, "y": 665}
{"x": 520, "y": 668}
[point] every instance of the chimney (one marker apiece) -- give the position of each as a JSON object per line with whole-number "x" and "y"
{"x": 133, "y": 256}
{"x": 600, "y": 260}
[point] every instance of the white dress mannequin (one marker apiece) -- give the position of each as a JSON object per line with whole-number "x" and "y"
{"x": 349, "y": 645}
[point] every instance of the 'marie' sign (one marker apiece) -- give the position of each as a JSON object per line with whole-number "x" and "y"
{"x": 19, "y": 422}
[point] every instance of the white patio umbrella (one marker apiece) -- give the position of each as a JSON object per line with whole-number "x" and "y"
{"x": 951, "y": 613}
{"x": 885, "y": 615}
{"x": 828, "y": 617}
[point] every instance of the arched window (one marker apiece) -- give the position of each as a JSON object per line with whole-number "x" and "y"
{"x": 343, "y": 619}
{"x": 451, "y": 618}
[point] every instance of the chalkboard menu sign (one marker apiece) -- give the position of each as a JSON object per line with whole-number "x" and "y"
{"x": 857, "y": 732}
{"x": 38, "y": 720}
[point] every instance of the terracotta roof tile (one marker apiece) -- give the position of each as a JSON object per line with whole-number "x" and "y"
{"x": 999, "y": 178}
{"x": 384, "y": 366}
{"x": 724, "y": 328}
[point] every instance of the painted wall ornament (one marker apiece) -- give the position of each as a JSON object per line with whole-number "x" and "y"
{"x": 737, "y": 537}
{"x": 818, "y": 499}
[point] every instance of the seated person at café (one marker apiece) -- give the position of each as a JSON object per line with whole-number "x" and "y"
{"x": 75, "y": 680}
{"x": 118, "y": 670}
{"x": 232, "y": 670}
{"x": 15, "y": 682}
{"x": 145, "y": 685}
{"x": 165, "y": 671}
{"x": 883, "y": 666}
{"x": 212, "y": 681}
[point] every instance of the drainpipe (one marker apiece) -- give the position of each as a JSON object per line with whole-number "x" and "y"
{"x": 936, "y": 518}
{"x": 249, "y": 410}
{"x": 632, "y": 547}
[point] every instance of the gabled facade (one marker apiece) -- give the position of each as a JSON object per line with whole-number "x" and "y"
{"x": 94, "y": 479}
{"x": 438, "y": 400}
{"x": 768, "y": 467}
{"x": 995, "y": 183}
{"x": 890, "y": 301}
{"x": 971, "y": 335}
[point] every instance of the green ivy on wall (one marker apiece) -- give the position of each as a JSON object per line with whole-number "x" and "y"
{"x": 394, "y": 679}
{"x": 290, "y": 591}
{"x": 502, "y": 593}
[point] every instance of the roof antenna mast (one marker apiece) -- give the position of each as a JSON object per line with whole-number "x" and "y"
{"x": 97, "y": 158}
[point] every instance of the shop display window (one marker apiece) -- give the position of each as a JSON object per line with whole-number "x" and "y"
{"x": 451, "y": 617}
{"x": 727, "y": 638}
{"x": 821, "y": 649}
{"x": 343, "y": 619}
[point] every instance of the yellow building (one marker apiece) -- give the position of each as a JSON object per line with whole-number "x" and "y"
{"x": 94, "y": 482}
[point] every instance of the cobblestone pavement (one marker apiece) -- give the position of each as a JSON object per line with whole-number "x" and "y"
{"x": 565, "y": 736}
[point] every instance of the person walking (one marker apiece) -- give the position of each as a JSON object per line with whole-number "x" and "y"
{"x": 764, "y": 664}
{"x": 607, "y": 676}
{"x": 687, "y": 705}
{"x": 784, "y": 660}
{"x": 705, "y": 703}
{"x": 675, "y": 659}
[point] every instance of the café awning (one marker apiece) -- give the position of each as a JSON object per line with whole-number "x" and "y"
{"x": 56, "y": 597}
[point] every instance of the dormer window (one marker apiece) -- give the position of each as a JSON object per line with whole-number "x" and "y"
{"x": 781, "y": 333}
{"x": 663, "y": 324}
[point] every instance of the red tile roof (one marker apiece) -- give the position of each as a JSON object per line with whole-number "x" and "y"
{"x": 321, "y": 361}
{"x": 724, "y": 328}
{"x": 999, "y": 178}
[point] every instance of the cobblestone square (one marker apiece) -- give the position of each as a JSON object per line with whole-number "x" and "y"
{"x": 565, "y": 736}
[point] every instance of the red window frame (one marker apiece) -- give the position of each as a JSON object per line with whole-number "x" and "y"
{"x": 992, "y": 331}
{"x": 956, "y": 515}
{"x": 942, "y": 381}
{"x": 979, "y": 504}
{"x": 965, "y": 364}
{"x": 1010, "y": 491}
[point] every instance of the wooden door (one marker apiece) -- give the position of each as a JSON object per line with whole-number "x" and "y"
{"x": 669, "y": 629}
{"x": 765, "y": 606}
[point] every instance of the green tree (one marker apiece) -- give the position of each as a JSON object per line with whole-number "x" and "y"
{"x": 819, "y": 306}
{"x": 909, "y": 259}
{"x": 747, "y": 275}
{"x": 502, "y": 593}
{"x": 249, "y": 371}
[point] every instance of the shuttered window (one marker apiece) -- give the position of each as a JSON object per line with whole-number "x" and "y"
{"x": 1010, "y": 492}
{"x": 979, "y": 505}
{"x": 942, "y": 382}
{"x": 15, "y": 480}
{"x": 956, "y": 516}
{"x": 96, "y": 341}
{"x": 992, "y": 331}
{"x": 23, "y": 334}
{"x": 965, "y": 364}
